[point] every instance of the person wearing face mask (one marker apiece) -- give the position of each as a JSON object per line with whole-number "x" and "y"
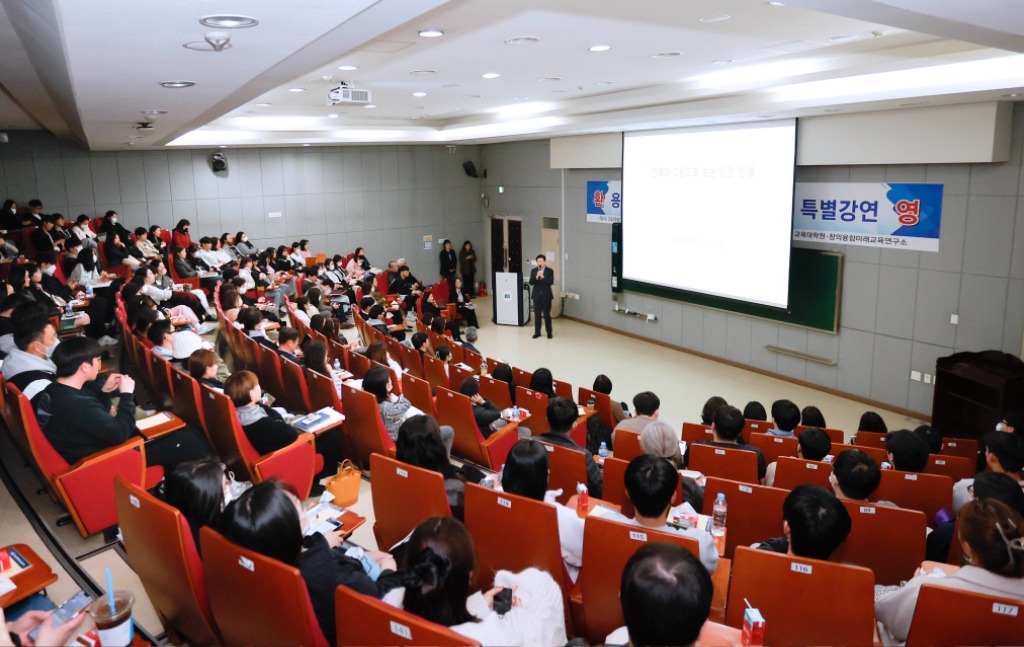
{"x": 28, "y": 365}
{"x": 9, "y": 215}
{"x": 10, "y": 303}
{"x": 267, "y": 430}
{"x": 84, "y": 233}
{"x": 180, "y": 236}
{"x": 243, "y": 246}
{"x": 77, "y": 420}
{"x": 200, "y": 490}
{"x": 99, "y": 311}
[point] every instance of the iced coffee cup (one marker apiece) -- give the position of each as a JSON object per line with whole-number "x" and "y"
{"x": 114, "y": 625}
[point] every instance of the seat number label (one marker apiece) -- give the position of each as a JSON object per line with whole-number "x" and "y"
{"x": 806, "y": 569}
{"x": 867, "y": 509}
{"x": 746, "y": 489}
{"x": 399, "y": 629}
{"x": 1005, "y": 609}
{"x": 505, "y": 503}
{"x": 637, "y": 536}
{"x": 720, "y": 452}
{"x": 246, "y": 563}
{"x": 401, "y": 472}
{"x": 134, "y": 500}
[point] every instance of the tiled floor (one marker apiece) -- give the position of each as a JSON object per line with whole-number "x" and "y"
{"x": 577, "y": 354}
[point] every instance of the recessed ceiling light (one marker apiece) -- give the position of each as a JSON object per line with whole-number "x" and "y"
{"x": 549, "y": 79}
{"x": 766, "y": 116}
{"x": 305, "y": 144}
{"x": 222, "y": 146}
{"x": 520, "y": 98}
{"x": 600, "y": 48}
{"x": 420, "y": 107}
{"x": 423, "y": 72}
{"x": 450, "y": 85}
{"x": 432, "y": 32}
{"x": 333, "y": 115}
{"x": 603, "y": 83}
{"x": 263, "y": 105}
{"x": 177, "y": 84}
{"x": 134, "y": 136}
{"x": 472, "y": 96}
{"x": 718, "y": 17}
{"x": 774, "y": 3}
{"x": 1013, "y": 95}
{"x": 228, "y": 21}
{"x": 347, "y": 68}
{"x": 845, "y": 38}
{"x": 723, "y": 61}
{"x": 832, "y": 111}
{"x": 912, "y": 104}
{"x": 522, "y": 40}
{"x": 666, "y": 55}
{"x": 558, "y": 91}
{"x": 296, "y": 89}
{"x": 369, "y": 105}
{"x": 490, "y": 75}
{"x": 419, "y": 94}
{"x": 153, "y": 113}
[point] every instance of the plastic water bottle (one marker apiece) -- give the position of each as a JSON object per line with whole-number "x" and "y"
{"x": 483, "y": 368}
{"x": 515, "y": 412}
{"x": 337, "y": 364}
{"x": 718, "y": 515}
{"x": 602, "y": 451}
{"x": 69, "y": 311}
{"x": 88, "y": 290}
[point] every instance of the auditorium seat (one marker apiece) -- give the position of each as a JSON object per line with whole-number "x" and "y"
{"x": 380, "y": 624}
{"x": 757, "y": 427}
{"x": 537, "y": 404}
{"x": 403, "y": 497}
{"x": 363, "y": 425}
{"x": 949, "y": 617}
{"x": 434, "y": 373}
{"x": 834, "y": 435}
{"x": 188, "y": 400}
{"x": 566, "y": 468}
{"x": 790, "y": 590}
{"x": 791, "y": 472}
{"x": 772, "y": 447}
{"x": 417, "y": 392}
{"x": 755, "y": 511}
{"x": 521, "y": 377}
{"x": 163, "y": 553}
{"x": 607, "y": 546}
{"x": 296, "y": 396}
{"x": 890, "y": 541}
{"x": 870, "y": 439}
{"x": 734, "y": 464}
{"x": 602, "y": 404}
{"x": 256, "y": 600}
{"x": 627, "y": 445}
{"x": 496, "y": 391}
{"x": 456, "y": 410}
{"x": 295, "y": 464}
{"x": 963, "y": 447}
{"x": 693, "y": 432}
{"x": 955, "y": 467}
{"x": 876, "y": 454}
{"x": 928, "y": 493}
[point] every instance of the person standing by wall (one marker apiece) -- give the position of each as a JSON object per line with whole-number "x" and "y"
{"x": 542, "y": 278}
{"x": 467, "y": 266}
{"x": 449, "y": 264}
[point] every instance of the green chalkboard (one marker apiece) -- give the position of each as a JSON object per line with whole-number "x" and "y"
{"x": 815, "y": 290}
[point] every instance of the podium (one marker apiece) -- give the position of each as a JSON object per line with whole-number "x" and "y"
{"x": 973, "y": 391}
{"x": 511, "y": 301}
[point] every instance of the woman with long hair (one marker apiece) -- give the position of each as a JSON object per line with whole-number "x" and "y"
{"x": 439, "y": 565}
{"x": 467, "y": 267}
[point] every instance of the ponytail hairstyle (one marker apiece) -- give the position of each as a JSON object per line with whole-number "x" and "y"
{"x": 439, "y": 564}
{"x": 994, "y": 530}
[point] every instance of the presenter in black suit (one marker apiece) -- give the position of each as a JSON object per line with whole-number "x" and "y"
{"x": 542, "y": 278}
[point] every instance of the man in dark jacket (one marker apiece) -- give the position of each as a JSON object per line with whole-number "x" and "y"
{"x": 78, "y": 424}
{"x": 485, "y": 413}
{"x": 562, "y": 415}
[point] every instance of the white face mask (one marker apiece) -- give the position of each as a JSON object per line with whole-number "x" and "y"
{"x": 113, "y": 221}
{"x": 50, "y": 270}
{"x": 13, "y": 210}
{"x": 48, "y": 350}
{"x": 245, "y": 239}
{"x": 1001, "y": 426}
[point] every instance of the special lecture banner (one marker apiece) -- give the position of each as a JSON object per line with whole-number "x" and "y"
{"x": 604, "y": 201}
{"x": 873, "y": 214}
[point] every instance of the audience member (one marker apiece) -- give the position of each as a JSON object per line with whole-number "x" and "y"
{"x": 786, "y": 416}
{"x": 562, "y": 414}
{"x": 202, "y": 366}
{"x": 543, "y": 382}
{"x": 269, "y": 519}
{"x": 199, "y": 490}
{"x": 811, "y": 416}
{"x": 871, "y": 421}
{"x": 987, "y": 485}
{"x": 931, "y": 436}
{"x": 419, "y": 444}
{"x": 726, "y": 428}
{"x": 502, "y": 372}
{"x": 1004, "y": 454}
{"x": 526, "y": 474}
{"x": 288, "y": 344}
{"x": 78, "y": 423}
{"x": 439, "y": 565}
{"x": 486, "y": 414}
{"x": 472, "y": 335}
{"x": 755, "y": 411}
{"x": 603, "y": 384}
{"x": 992, "y": 537}
{"x": 394, "y": 409}
{"x": 814, "y": 524}
{"x": 812, "y": 444}
{"x": 647, "y": 407}
{"x": 665, "y": 597}
{"x": 855, "y": 475}
{"x": 651, "y": 483}
{"x": 907, "y": 451}
{"x": 707, "y": 414}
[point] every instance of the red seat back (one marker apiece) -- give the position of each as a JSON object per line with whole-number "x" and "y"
{"x": 537, "y": 404}
{"x": 890, "y": 541}
{"x": 772, "y": 447}
{"x": 162, "y": 552}
{"x": 382, "y": 624}
{"x": 566, "y": 468}
{"x": 602, "y": 404}
{"x": 627, "y": 445}
{"x": 928, "y": 493}
{"x": 417, "y": 391}
{"x": 755, "y": 511}
{"x": 735, "y": 464}
{"x": 791, "y": 472}
{"x": 978, "y": 619}
{"x": 188, "y": 400}
{"x": 496, "y": 391}
{"x": 955, "y": 467}
{"x": 694, "y": 431}
{"x": 403, "y": 497}
{"x": 255, "y": 599}
{"x": 364, "y": 426}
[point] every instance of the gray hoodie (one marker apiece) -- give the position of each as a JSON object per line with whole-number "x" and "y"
{"x": 19, "y": 361}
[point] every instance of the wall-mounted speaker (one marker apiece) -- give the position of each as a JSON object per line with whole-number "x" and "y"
{"x": 470, "y": 168}
{"x": 218, "y": 162}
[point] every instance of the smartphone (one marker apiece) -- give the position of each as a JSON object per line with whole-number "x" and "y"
{"x": 503, "y": 601}
{"x": 71, "y": 607}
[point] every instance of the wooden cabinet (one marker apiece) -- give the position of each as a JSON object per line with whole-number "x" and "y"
{"x": 973, "y": 391}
